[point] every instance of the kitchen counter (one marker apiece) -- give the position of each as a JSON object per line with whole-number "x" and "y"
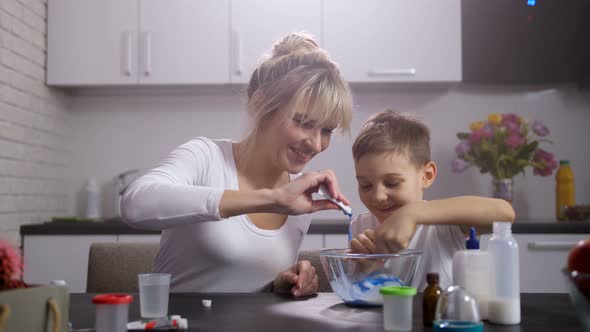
{"x": 116, "y": 226}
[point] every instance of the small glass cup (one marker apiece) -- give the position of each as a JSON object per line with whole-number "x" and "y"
{"x": 154, "y": 289}
{"x": 397, "y": 307}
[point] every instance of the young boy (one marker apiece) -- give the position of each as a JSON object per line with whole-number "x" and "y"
{"x": 393, "y": 168}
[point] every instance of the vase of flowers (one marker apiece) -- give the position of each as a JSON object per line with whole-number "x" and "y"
{"x": 504, "y": 146}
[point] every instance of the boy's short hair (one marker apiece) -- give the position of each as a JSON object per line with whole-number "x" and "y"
{"x": 394, "y": 132}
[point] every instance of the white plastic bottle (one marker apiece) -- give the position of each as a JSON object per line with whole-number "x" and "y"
{"x": 504, "y": 304}
{"x": 92, "y": 200}
{"x": 471, "y": 270}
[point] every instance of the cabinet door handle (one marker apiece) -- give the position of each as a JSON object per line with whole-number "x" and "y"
{"x": 147, "y": 52}
{"x": 393, "y": 72}
{"x": 237, "y": 53}
{"x": 558, "y": 245}
{"x": 127, "y": 53}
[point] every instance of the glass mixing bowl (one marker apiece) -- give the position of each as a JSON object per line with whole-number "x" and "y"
{"x": 357, "y": 278}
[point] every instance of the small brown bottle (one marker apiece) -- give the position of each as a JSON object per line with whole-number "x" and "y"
{"x": 431, "y": 294}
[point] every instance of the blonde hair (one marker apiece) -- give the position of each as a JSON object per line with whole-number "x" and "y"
{"x": 394, "y": 132}
{"x": 298, "y": 74}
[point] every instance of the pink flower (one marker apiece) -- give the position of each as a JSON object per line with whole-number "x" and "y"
{"x": 475, "y": 137}
{"x": 487, "y": 131}
{"x": 11, "y": 266}
{"x": 462, "y": 148}
{"x": 459, "y": 165}
{"x": 510, "y": 117}
{"x": 547, "y": 161}
{"x": 479, "y": 134}
{"x": 514, "y": 140}
{"x": 540, "y": 129}
{"x": 512, "y": 127}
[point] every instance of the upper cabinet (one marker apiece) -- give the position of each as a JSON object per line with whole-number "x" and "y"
{"x": 257, "y": 24}
{"x": 131, "y": 42}
{"x": 394, "y": 40}
{"x": 183, "y": 41}
{"x": 122, "y": 42}
{"x": 92, "y": 42}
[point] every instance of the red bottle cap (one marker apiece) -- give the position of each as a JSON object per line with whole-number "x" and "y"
{"x": 112, "y": 299}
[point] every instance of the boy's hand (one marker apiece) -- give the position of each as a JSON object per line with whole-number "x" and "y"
{"x": 299, "y": 280}
{"x": 364, "y": 243}
{"x": 395, "y": 232}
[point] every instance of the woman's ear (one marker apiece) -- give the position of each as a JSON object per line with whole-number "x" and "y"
{"x": 428, "y": 174}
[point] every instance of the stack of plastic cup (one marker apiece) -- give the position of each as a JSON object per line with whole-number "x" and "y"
{"x": 397, "y": 307}
{"x": 456, "y": 310}
{"x": 154, "y": 290}
{"x": 112, "y": 312}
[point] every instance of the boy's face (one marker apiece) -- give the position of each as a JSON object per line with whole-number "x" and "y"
{"x": 387, "y": 181}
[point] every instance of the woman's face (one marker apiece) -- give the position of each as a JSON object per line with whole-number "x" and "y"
{"x": 293, "y": 142}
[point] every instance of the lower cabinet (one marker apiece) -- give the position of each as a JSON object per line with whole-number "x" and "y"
{"x": 65, "y": 257}
{"x": 541, "y": 258}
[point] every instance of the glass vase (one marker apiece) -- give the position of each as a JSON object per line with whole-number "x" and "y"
{"x": 502, "y": 188}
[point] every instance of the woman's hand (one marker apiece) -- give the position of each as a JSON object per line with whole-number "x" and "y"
{"x": 296, "y": 196}
{"x": 299, "y": 280}
{"x": 396, "y": 231}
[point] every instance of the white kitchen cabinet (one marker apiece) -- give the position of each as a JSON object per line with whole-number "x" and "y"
{"x": 336, "y": 241}
{"x": 92, "y": 42}
{"x": 130, "y": 42}
{"x": 541, "y": 258}
{"x": 59, "y": 257}
{"x": 313, "y": 242}
{"x": 65, "y": 257}
{"x": 394, "y": 40}
{"x": 139, "y": 238}
{"x": 257, "y": 24}
{"x": 184, "y": 41}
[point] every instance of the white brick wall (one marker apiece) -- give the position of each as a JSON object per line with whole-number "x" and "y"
{"x": 34, "y": 132}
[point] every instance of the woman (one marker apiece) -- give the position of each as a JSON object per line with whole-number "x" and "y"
{"x": 233, "y": 214}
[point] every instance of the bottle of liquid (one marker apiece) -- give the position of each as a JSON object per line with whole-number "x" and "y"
{"x": 471, "y": 270}
{"x": 504, "y": 303}
{"x": 565, "y": 194}
{"x": 92, "y": 200}
{"x": 431, "y": 295}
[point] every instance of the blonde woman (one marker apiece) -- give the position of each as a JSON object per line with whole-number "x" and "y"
{"x": 233, "y": 214}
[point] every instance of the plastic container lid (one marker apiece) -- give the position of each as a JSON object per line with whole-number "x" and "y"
{"x": 398, "y": 290}
{"x": 502, "y": 226}
{"x": 112, "y": 299}
{"x": 456, "y": 308}
{"x": 564, "y": 162}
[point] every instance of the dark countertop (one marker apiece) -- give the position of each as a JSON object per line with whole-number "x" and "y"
{"x": 324, "y": 312}
{"x": 116, "y": 226}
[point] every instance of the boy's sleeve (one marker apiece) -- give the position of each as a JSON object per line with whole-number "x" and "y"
{"x": 451, "y": 239}
{"x": 357, "y": 226}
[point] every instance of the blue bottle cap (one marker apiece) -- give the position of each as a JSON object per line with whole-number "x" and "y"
{"x": 472, "y": 242}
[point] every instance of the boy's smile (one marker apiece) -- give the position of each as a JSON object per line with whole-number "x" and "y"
{"x": 387, "y": 181}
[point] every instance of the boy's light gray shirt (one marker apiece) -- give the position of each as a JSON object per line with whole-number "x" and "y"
{"x": 438, "y": 244}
